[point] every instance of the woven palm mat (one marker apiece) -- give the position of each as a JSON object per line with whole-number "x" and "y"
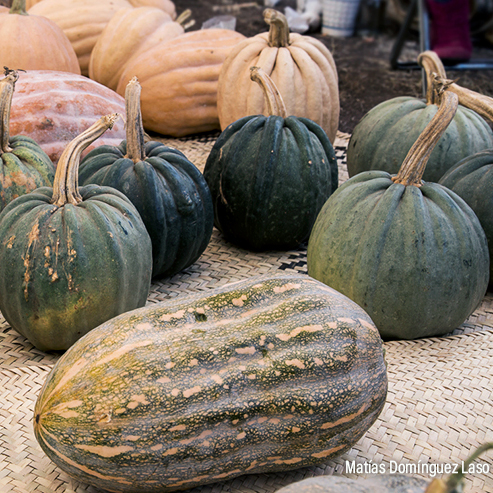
{"x": 439, "y": 406}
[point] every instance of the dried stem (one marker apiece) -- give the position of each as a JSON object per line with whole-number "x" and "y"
{"x": 278, "y": 28}
{"x": 273, "y": 98}
{"x": 7, "y": 87}
{"x": 134, "y": 127}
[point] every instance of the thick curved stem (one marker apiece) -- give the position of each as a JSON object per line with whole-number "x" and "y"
{"x": 433, "y": 66}
{"x": 18, "y": 7}
{"x": 7, "y": 87}
{"x": 273, "y": 98}
{"x": 413, "y": 167}
{"x": 278, "y": 28}
{"x": 134, "y": 127}
{"x": 66, "y": 183}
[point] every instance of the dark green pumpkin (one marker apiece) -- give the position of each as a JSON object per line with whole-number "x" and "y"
{"x": 24, "y": 166}
{"x": 169, "y": 192}
{"x": 384, "y": 136}
{"x": 269, "y": 176}
{"x": 71, "y": 258}
{"x": 412, "y": 254}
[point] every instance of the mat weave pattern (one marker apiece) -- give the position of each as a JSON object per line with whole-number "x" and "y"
{"x": 439, "y": 406}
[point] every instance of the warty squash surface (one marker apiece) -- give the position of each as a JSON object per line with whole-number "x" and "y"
{"x": 266, "y": 374}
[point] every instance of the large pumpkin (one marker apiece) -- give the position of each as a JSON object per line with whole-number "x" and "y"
{"x": 269, "y": 176}
{"x": 302, "y": 68}
{"x": 54, "y": 107}
{"x": 71, "y": 258}
{"x": 31, "y": 42}
{"x": 169, "y": 192}
{"x": 24, "y": 166}
{"x": 381, "y": 140}
{"x": 179, "y": 81}
{"x": 411, "y": 253}
{"x": 267, "y": 374}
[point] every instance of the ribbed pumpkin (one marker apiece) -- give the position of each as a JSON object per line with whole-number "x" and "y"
{"x": 31, "y": 42}
{"x": 179, "y": 81}
{"x": 267, "y": 374}
{"x": 54, "y": 107}
{"x": 81, "y": 20}
{"x": 381, "y": 140}
{"x": 169, "y": 192}
{"x": 71, "y": 258}
{"x": 269, "y": 176}
{"x": 411, "y": 253}
{"x": 302, "y": 68}
{"x": 24, "y": 166}
{"x": 130, "y": 32}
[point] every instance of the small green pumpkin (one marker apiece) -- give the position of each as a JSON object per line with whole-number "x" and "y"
{"x": 70, "y": 257}
{"x": 384, "y": 136}
{"x": 24, "y": 166}
{"x": 411, "y": 253}
{"x": 267, "y": 374}
{"x": 270, "y": 175}
{"x": 169, "y": 192}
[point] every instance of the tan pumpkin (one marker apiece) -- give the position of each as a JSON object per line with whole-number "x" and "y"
{"x": 81, "y": 20}
{"x": 302, "y": 68}
{"x": 54, "y": 107}
{"x": 179, "y": 81}
{"x": 129, "y": 33}
{"x": 32, "y": 42}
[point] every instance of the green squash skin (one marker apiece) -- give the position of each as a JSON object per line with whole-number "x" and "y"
{"x": 269, "y": 178}
{"x": 170, "y": 194}
{"x": 414, "y": 258}
{"x": 267, "y": 374}
{"x": 472, "y": 180}
{"x": 23, "y": 169}
{"x": 65, "y": 270}
{"x": 383, "y": 137}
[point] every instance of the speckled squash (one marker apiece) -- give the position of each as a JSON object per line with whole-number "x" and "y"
{"x": 411, "y": 253}
{"x": 70, "y": 257}
{"x": 24, "y": 166}
{"x": 269, "y": 176}
{"x": 266, "y": 374}
{"x": 169, "y": 192}
{"x": 384, "y": 136}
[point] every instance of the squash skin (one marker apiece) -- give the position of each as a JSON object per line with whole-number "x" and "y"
{"x": 383, "y": 137}
{"x": 169, "y": 192}
{"x": 415, "y": 258}
{"x": 243, "y": 370}
{"x": 69, "y": 254}
{"x": 269, "y": 177}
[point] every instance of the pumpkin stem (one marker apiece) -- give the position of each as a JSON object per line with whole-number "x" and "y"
{"x": 18, "y": 7}
{"x": 273, "y": 98}
{"x": 7, "y": 87}
{"x": 413, "y": 167}
{"x": 183, "y": 17}
{"x": 278, "y": 28}
{"x": 432, "y": 65}
{"x": 66, "y": 183}
{"x": 134, "y": 127}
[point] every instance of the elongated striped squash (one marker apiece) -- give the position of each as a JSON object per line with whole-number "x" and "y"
{"x": 267, "y": 374}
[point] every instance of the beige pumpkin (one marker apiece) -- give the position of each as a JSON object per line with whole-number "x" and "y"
{"x": 81, "y": 20}
{"x": 301, "y": 66}
{"x": 179, "y": 81}
{"x": 131, "y": 32}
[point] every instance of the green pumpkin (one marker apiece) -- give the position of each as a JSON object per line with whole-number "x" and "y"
{"x": 24, "y": 166}
{"x": 269, "y": 176}
{"x": 411, "y": 253}
{"x": 169, "y": 192}
{"x": 267, "y": 374}
{"x": 384, "y": 136}
{"x": 71, "y": 258}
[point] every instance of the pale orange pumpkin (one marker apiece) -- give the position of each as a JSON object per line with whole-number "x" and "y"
{"x": 302, "y": 68}
{"x": 53, "y": 107}
{"x": 32, "y": 42}
{"x": 130, "y": 32}
{"x": 179, "y": 81}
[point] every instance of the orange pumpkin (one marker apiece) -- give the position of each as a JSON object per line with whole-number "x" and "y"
{"x": 54, "y": 107}
{"x": 32, "y": 42}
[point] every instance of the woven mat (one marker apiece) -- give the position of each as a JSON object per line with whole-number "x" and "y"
{"x": 439, "y": 406}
